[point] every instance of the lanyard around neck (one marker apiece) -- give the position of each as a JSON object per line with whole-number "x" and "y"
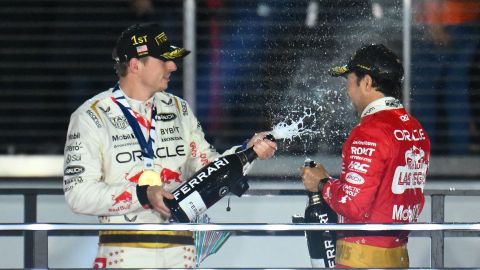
{"x": 135, "y": 119}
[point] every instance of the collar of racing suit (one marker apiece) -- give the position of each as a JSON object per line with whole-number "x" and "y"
{"x": 141, "y": 107}
{"x": 385, "y": 103}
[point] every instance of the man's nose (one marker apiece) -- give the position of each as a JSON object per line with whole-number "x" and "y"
{"x": 171, "y": 66}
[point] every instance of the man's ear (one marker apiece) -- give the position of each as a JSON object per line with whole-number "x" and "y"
{"x": 133, "y": 65}
{"x": 368, "y": 82}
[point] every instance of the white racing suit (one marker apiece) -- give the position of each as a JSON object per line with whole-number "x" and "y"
{"x": 103, "y": 162}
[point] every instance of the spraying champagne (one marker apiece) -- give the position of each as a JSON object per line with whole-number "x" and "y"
{"x": 211, "y": 183}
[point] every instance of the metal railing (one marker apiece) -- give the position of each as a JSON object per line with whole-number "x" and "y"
{"x": 36, "y": 234}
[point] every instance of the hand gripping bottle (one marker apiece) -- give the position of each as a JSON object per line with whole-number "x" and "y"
{"x": 321, "y": 244}
{"x": 211, "y": 183}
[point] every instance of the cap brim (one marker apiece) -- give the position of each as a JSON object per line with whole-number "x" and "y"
{"x": 339, "y": 71}
{"x": 175, "y": 53}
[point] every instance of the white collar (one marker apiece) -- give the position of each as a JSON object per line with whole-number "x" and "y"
{"x": 139, "y": 106}
{"x": 385, "y": 103}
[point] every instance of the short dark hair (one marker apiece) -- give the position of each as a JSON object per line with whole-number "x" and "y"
{"x": 390, "y": 88}
{"x": 121, "y": 68}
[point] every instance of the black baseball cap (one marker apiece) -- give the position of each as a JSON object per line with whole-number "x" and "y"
{"x": 375, "y": 60}
{"x": 147, "y": 39}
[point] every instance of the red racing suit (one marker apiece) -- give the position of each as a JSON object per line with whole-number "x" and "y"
{"x": 384, "y": 166}
{"x": 103, "y": 163}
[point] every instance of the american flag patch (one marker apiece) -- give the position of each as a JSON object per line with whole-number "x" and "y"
{"x": 141, "y": 50}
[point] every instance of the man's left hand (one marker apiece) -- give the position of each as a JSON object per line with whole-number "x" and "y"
{"x": 311, "y": 177}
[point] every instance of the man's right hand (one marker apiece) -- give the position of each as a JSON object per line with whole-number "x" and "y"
{"x": 155, "y": 195}
{"x": 264, "y": 147}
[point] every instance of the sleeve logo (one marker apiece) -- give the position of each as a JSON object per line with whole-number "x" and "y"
{"x": 354, "y": 178}
{"x": 413, "y": 174}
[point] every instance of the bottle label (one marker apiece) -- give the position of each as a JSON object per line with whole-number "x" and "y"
{"x": 203, "y": 175}
{"x": 193, "y": 205}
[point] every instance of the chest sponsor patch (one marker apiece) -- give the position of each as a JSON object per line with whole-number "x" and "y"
{"x": 119, "y": 122}
{"x": 359, "y": 151}
{"x": 409, "y": 135}
{"x": 165, "y": 117}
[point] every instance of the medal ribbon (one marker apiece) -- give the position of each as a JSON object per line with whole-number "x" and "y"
{"x": 135, "y": 120}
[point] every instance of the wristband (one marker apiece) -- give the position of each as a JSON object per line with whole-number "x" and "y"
{"x": 142, "y": 196}
{"x": 322, "y": 183}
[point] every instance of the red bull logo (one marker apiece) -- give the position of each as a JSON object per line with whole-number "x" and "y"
{"x": 168, "y": 175}
{"x": 134, "y": 178}
{"x": 124, "y": 197}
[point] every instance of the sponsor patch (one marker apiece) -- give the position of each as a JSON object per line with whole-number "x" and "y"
{"x": 165, "y": 117}
{"x": 413, "y": 174}
{"x": 369, "y": 160}
{"x": 128, "y": 219}
{"x": 170, "y": 139}
{"x": 160, "y": 152}
{"x": 107, "y": 110}
{"x": 404, "y": 213}
{"x": 119, "y": 122}
{"x": 193, "y": 149}
{"x": 171, "y": 130}
{"x": 168, "y": 176}
{"x": 124, "y": 197}
{"x": 71, "y": 182}
{"x": 367, "y": 143}
{"x": 344, "y": 199}
{"x": 358, "y": 167}
{"x": 184, "y": 108}
{"x": 404, "y": 118}
{"x": 74, "y": 170}
{"x": 354, "y": 178}
{"x": 121, "y": 137}
{"x": 75, "y": 146}
{"x": 203, "y": 159}
{"x": 351, "y": 190}
{"x": 362, "y": 151}
{"x": 94, "y": 118}
{"x": 168, "y": 102}
{"x": 73, "y": 157}
{"x": 409, "y": 135}
{"x": 74, "y": 136}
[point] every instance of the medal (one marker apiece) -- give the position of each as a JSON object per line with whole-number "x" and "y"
{"x": 149, "y": 177}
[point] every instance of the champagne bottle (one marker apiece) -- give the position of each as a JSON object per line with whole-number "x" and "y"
{"x": 321, "y": 244}
{"x": 211, "y": 183}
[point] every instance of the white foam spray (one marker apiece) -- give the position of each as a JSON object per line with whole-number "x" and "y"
{"x": 292, "y": 128}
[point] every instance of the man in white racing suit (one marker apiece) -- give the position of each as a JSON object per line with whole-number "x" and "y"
{"x": 127, "y": 148}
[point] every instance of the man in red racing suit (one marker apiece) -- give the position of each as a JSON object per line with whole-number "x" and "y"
{"x": 384, "y": 165}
